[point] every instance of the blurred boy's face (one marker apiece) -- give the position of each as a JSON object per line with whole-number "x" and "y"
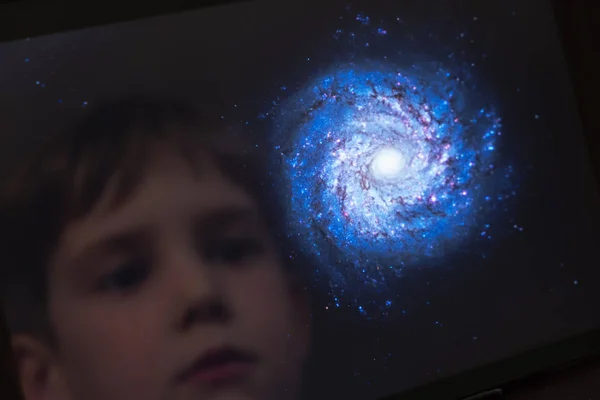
{"x": 178, "y": 293}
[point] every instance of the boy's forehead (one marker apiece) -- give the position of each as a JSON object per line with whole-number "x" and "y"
{"x": 166, "y": 168}
{"x": 171, "y": 190}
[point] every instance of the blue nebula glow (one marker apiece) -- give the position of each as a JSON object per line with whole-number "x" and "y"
{"x": 387, "y": 168}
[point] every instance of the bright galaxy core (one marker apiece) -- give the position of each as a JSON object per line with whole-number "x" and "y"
{"x": 387, "y": 169}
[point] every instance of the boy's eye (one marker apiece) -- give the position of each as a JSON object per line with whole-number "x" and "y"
{"x": 126, "y": 277}
{"x": 232, "y": 251}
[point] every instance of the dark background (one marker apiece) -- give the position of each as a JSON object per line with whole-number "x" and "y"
{"x": 521, "y": 297}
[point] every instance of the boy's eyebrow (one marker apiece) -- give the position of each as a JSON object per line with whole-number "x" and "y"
{"x": 114, "y": 242}
{"x": 223, "y": 218}
{"x": 208, "y": 223}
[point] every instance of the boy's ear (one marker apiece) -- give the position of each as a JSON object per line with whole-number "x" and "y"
{"x": 39, "y": 373}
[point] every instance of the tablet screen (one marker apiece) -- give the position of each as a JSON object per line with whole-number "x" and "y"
{"x": 428, "y": 157}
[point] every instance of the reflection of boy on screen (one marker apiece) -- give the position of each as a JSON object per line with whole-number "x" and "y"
{"x": 139, "y": 265}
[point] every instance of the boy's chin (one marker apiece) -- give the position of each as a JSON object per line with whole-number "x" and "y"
{"x": 232, "y": 395}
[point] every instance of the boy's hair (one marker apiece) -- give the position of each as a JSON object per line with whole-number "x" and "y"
{"x": 64, "y": 179}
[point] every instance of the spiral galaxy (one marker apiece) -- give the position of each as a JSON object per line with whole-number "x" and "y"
{"x": 387, "y": 168}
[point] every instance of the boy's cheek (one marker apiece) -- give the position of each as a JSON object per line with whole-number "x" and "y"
{"x": 266, "y": 310}
{"x": 265, "y": 295}
{"x": 99, "y": 328}
{"x": 99, "y": 350}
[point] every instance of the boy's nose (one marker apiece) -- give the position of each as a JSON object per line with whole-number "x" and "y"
{"x": 198, "y": 294}
{"x": 210, "y": 311}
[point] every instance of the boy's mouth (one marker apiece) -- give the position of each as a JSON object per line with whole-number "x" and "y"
{"x": 219, "y": 366}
